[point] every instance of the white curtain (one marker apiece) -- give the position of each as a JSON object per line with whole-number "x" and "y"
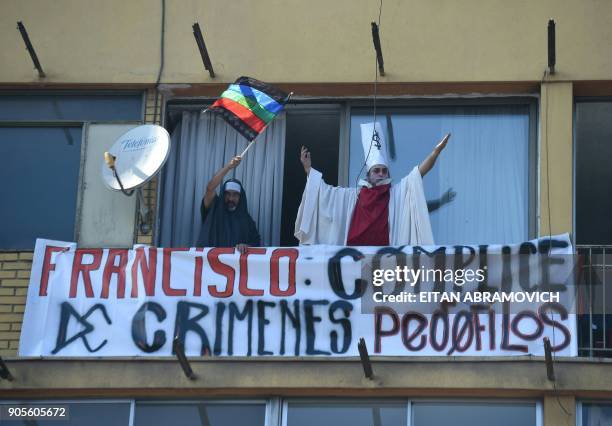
{"x": 202, "y": 143}
{"x": 486, "y": 162}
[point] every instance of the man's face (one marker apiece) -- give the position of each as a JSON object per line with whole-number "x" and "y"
{"x": 231, "y": 199}
{"x": 377, "y": 173}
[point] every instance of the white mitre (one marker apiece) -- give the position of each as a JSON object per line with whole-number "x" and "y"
{"x": 374, "y": 145}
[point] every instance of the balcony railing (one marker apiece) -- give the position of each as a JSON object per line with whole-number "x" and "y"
{"x": 595, "y": 301}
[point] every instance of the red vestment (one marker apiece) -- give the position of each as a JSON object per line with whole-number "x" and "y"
{"x": 370, "y": 221}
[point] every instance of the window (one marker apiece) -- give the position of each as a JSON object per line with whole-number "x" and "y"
{"x": 146, "y": 413}
{"x": 40, "y": 178}
{"x": 593, "y": 156}
{"x": 354, "y": 413}
{"x": 32, "y": 106}
{"x": 412, "y": 413}
{"x": 295, "y": 412}
{"x": 592, "y": 159}
{"x": 487, "y": 163}
{"x": 594, "y": 414}
{"x": 40, "y": 147}
{"x": 469, "y": 414}
{"x": 318, "y": 128}
{"x": 90, "y": 413}
{"x": 199, "y": 413}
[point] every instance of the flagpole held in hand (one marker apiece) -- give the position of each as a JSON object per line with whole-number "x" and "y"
{"x": 247, "y": 148}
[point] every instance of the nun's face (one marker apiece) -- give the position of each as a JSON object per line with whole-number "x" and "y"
{"x": 231, "y": 199}
{"x": 377, "y": 173}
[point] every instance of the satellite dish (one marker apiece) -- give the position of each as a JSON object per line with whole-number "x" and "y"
{"x": 136, "y": 157}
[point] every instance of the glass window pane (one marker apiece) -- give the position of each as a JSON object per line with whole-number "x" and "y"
{"x": 86, "y": 413}
{"x": 39, "y": 174}
{"x": 473, "y": 414}
{"x": 86, "y": 107}
{"x": 593, "y": 172}
{"x": 596, "y": 414}
{"x": 354, "y": 414}
{"x": 486, "y": 163}
{"x": 198, "y": 414}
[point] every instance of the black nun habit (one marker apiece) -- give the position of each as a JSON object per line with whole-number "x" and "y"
{"x": 224, "y": 228}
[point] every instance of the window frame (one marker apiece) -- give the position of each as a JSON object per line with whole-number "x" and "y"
{"x": 277, "y": 407}
{"x": 83, "y": 125}
{"x": 401, "y": 104}
{"x": 271, "y": 405}
{"x": 577, "y": 100}
{"x": 342, "y": 400}
{"x": 348, "y": 103}
{"x": 539, "y": 413}
{"x": 266, "y": 402}
{"x": 579, "y": 407}
{"x": 539, "y": 410}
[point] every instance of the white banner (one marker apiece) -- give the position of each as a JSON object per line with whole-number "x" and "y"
{"x": 291, "y": 301}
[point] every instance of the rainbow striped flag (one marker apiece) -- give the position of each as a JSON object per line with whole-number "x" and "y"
{"x": 249, "y": 105}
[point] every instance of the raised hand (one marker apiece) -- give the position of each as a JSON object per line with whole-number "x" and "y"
{"x": 305, "y": 159}
{"x": 234, "y": 162}
{"x": 448, "y": 196}
{"x": 442, "y": 144}
{"x": 429, "y": 162}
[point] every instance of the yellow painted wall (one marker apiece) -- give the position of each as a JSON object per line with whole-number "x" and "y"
{"x": 306, "y": 41}
{"x": 559, "y": 410}
{"x": 556, "y": 158}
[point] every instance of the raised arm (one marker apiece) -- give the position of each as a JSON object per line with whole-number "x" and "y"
{"x": 429, "y": 162}
{"x": 322, "y": 215}
{"x": 209, "y": 196}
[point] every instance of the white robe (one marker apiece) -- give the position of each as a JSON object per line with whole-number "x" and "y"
{"x": 325, "y": 213}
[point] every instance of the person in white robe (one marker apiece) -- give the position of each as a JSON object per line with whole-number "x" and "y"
{"x": 325, "y": 214}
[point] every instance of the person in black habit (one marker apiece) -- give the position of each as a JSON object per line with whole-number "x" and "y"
{"x": 225, "y": 219}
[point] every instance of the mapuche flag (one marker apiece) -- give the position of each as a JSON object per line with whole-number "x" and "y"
{"x": 249, "y": 105}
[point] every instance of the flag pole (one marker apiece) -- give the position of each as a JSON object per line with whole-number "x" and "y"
{"x": 253, "y": 141}
{"x": 247, "y": 148}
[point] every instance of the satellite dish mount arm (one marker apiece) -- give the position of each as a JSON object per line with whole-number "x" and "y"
{"x": 143, "y": 209}
{"x": 110, "y": 162}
